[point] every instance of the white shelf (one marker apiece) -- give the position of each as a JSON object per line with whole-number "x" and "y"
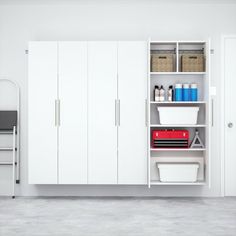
{"x": 177, "y": 149}
{"x": 177, "y": 41}
{"x": 156, "y": 182}
{"x": 175, "y": 126}
{"x": 181, "y": 102}
{"x": 177, "y": 73}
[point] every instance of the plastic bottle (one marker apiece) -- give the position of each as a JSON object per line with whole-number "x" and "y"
{"x": 162, "y": 94}
{"x": 194, "y": 92}
{"x": 156, "y": 94}
{"x": 170, "y": 94}
{"x": 178, "y": 92}
{"x": 186, "y": 92}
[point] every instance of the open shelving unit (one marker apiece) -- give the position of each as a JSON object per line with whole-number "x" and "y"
{"x": 165, "y": 78}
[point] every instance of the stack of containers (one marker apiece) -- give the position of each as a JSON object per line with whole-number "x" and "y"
{"x": 186, "y": 92}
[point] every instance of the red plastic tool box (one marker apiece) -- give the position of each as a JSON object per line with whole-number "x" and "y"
{"x": 170, "y": 138}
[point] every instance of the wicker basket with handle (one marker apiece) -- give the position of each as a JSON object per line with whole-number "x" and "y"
{"x": 193, "y": 63}
{"x": 162, "y": 63}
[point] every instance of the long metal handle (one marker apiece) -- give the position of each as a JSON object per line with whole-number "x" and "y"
{"x": 212, "y": 112}
{"x": 118, "y": 112}
{"x": 57, "y": 112}
{"x": 115, "y": 112}
{"x": 146, "y": 112}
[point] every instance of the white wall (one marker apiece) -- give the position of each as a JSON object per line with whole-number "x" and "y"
{"x": 110, "y": 20}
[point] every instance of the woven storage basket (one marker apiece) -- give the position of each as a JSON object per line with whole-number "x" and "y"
{"x": 193, "y": 63}
{"x": 162, "y": 63}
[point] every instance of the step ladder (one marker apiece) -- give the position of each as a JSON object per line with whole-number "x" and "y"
{"x": 9, "y": 125}
{"x": 12, "y": 163}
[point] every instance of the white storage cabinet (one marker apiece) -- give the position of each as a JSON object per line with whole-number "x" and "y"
{"x": 87, "y": 113}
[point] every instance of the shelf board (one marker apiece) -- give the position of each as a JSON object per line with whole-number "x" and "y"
{"x": 181, "y": 102}
{"x": 156, "y": 182}
{"x": 178, "y": 149}
{"x": 175, "y": 126}
{"x": 177, "y": 73}
{"x": 178, "y": 41}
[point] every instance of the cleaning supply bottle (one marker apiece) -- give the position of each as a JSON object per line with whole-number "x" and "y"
{"x": 178, "y": 92}
{"x": 162, "y": 94}
{"x": 186, "y": 92}
{"x": 193, "y": 92}
{"x": 156, "y": 94}
{"x": 170, "y": 94}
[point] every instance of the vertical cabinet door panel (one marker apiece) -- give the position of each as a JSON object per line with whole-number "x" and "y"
{"x": 42, "y": 92}
{"x": 73, "y": 112}
{"x": 230, "y": 116}
{"x": 132, "y": 93}
{"x": 102, "y": 132}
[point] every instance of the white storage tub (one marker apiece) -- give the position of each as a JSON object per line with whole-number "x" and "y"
{"x": 178, "y": 172}
{"x": 178, "y": 115}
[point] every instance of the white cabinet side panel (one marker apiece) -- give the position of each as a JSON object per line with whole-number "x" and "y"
{"x": 102, "y": 132}
{"x": 132, "y": 92}
{"x": 42, "y": 133}
{"x": 73, "y": 112}
{"x": 230, "y": 116}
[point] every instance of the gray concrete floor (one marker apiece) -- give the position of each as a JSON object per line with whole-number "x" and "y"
{"x": 117, "y": 216}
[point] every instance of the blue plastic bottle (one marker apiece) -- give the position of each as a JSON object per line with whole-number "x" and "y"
{"x": 194, "y": 92}
{"x": 178, "y": 92}
{"x": 186, "y": 92}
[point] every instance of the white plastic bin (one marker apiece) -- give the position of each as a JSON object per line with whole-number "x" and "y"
{"x": 178, "y": 172}
{"x": 178, "y": 115}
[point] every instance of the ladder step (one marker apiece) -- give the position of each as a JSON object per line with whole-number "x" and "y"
{"x": 7, "y": 149}
{"x": 7, "y": 163}
{"x": 6, "y": 132}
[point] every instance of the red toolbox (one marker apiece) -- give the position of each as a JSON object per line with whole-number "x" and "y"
{"x": 170, "y": 138}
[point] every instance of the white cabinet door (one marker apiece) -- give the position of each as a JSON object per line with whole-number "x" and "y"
{"x": 230, "y": 115}
{"x": 73, "y": 112}
{"x": 102, "y": 132}
{"x": 132, "y": 93}
{"x": 42, "y": 132}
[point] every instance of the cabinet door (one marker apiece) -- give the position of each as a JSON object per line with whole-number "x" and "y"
{"x": 73, "y": 112}
{"x": 102, "y": 131}
{"x": 230, "y": 115}
{"x": 42, "y": 93}
{"x": 132, "y": 93}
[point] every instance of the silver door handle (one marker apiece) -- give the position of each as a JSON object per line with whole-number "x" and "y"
{"x": 118, "y": 112}
{"x": 212, "y": 112}
{"x": 57, "y": 112}
{"x": 146, "y": 112}
{"x": 230, "y": 125}
{"x": 115, "y": 112}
